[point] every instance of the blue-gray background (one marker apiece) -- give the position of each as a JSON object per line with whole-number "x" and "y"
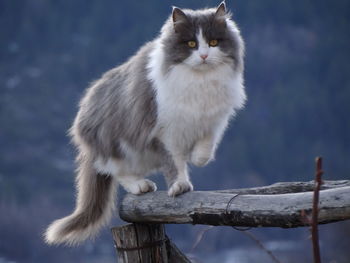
{"x": 298, "y": 85}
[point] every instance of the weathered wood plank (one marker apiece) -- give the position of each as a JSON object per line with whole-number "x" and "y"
{"x": 254, "y": 209}
{"x": 140, "y": 243}
{"x": 288, "y": 187}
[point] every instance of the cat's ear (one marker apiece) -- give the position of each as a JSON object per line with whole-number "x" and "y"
{"x": 179, "y": 18}
{"x": 221, "y": 15}
{"x": 221, "y": 11}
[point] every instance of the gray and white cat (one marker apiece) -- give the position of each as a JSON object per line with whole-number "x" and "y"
{"x": 166, "y": 106}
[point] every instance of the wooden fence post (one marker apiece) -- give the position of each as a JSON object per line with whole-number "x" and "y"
{"x": 145, "y": 243}
{"x": 139, "y": 243}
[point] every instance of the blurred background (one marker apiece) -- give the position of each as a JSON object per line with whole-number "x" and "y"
{"x": 298, "y": 84}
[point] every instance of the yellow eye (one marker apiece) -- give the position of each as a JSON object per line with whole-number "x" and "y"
{"x": 192, "y": 44}
{"x": 213, "y": 42}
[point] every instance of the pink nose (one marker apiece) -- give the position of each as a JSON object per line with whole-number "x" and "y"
{"x": 204, "y": 56}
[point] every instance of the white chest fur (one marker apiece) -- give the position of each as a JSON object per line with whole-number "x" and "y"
{"x": 193, "y": 102}
{"x": 194, "y": 93}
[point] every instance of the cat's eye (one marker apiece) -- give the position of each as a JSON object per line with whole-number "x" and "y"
{"x": 192, "y": 44}
{"x": 213, "y": 42}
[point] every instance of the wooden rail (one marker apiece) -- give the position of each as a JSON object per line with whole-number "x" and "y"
{"x": 283, "y": 205}
{"x": 279, "y": 205}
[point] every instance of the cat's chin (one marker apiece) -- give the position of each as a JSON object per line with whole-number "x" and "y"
{"x": 203, "y": 67}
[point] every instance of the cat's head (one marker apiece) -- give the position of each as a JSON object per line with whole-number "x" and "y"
{"x": 202, "y": 39}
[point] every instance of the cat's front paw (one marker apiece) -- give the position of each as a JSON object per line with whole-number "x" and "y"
{"x": 200, "y": 158}
{"x": 180, "y": 187}
{"x": 141, "y": 186}
{"x": 202, "y": 152}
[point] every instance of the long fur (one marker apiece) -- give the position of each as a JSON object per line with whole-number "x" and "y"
{"x": 163, "y": 108}
{"x": 94, "y": 207}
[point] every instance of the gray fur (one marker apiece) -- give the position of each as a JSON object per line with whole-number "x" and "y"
{"x": 213, "y": 23}
{"x": 94, "y": 206}
{"x": 120, "y": 105}
{"x": 120, "y": 108}
{"x": 93, "y": 195}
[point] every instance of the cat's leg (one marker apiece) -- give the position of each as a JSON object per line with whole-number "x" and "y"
{"x": 121, "y": 171}
{"x": 176, "y": 173}
{"x": 181, "y": 182}
{"x": 203, "y": 151}
{"x": 136, "y": 185}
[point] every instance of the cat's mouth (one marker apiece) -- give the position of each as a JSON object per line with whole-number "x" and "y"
{"x": 203, "y": 65}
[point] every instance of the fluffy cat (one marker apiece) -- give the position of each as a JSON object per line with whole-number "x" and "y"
{"x": 166, "y": 106}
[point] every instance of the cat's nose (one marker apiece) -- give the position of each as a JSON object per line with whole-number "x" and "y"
{"x": 204, "y": 56}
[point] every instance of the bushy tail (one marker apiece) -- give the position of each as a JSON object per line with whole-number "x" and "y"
{"x": 94, "y": 207}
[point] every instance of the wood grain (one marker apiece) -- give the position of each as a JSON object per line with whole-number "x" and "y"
{"x": 283, "y": 205}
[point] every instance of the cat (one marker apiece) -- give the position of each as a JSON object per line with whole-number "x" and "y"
{"x": 167, "y": 106}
